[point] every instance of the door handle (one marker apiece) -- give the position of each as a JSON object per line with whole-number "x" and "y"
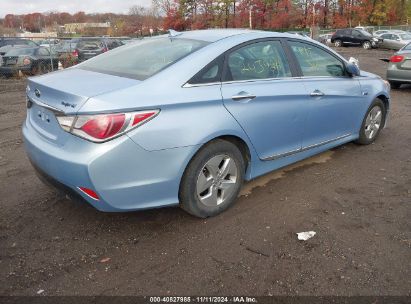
{"x": 242, "y": 96}
{"x": 317, "y": 93}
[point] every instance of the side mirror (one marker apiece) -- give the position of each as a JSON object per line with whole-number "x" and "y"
{"x": 354, "y": 61}
{"x": 352, "y": 69}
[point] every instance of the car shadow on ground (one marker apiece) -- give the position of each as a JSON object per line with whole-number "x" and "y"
{"x": 81, "y": 211}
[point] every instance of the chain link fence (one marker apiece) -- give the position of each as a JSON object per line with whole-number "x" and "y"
{"x": 373, "y": 29}
{"x": 30, "y": 56}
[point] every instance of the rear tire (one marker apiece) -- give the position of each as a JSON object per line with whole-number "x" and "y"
{"x": 338, "y": 43}
{"x": 373, "y": 122}
{"x": 395, "y": 84}
{"x": 34, "y": 70}
{"x": 212, "y": 179}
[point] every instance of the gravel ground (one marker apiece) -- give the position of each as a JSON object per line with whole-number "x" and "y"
{"x": 357, "y": 199}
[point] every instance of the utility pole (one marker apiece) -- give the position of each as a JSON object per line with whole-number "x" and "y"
{"x": 234, "y": 3}
{"x": 312, "y": 27}
{"x": 250, "y": 17}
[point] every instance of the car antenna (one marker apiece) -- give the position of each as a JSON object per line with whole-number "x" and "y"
{"x": 173, "y": 33}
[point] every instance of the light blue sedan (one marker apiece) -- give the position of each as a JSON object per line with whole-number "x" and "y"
{"x": 187, "y": 118}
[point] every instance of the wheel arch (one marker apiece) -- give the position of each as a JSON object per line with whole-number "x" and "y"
{"x": 241, "y": 144}
{"x": 385, "y": 100}
{"x": 245, "y": 147}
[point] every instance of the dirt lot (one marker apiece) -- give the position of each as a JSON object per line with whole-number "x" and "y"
{"x": 357, "y": 199}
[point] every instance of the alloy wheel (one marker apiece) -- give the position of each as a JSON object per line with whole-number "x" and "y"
{"x": 217, "y": 180}
{"x": 367, "y": 45}
{"x": 373, "y": 122}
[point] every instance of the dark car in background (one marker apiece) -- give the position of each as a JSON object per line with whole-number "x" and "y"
{"x": 67, "y": 52}
{"x": 359, "y": 37}
{"x": 8, "y": 43}
{"x": 399, "y": 67}
{"x": 89, "y": 47}
{"x": 29, "y": 61}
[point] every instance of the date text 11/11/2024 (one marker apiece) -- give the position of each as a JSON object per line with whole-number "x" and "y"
{"x": 203, "y": 299}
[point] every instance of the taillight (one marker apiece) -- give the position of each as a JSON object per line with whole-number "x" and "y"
{"x": 75, "y": 53}
{"x": 26, "y": 61}
{"x": 103, "y": 127}
{"x": 105, "y": 50}
{"x": 397, "y": 58}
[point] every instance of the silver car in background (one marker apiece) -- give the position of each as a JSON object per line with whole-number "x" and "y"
{"x": 399, "y": 67}
{"x": 395, "y": 40}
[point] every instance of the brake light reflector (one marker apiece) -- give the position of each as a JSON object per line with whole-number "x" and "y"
{"x": 26, "y": 61}
{"x": 103, "y": 127}
{"x": 397, "y": 58}
{"x": 138, "y": 118}
{"x": 89, "y": 193}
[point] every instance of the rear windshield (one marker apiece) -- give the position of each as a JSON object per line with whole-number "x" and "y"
{"x": 90, "y": 44}
{"x": 67, "y": 46}
{"x": 407, "y": 47}
{"x": 143, "y": 59}
{"x": 405, "y": 36}
{"x": 20, "y": 51}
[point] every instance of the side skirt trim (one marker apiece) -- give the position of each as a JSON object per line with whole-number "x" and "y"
{"x": 305, "y": 148}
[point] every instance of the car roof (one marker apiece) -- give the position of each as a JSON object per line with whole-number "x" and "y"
{"x": 16, "y": 46}
{"x": 27, "y": 47}
{"x": 213, "y": 35}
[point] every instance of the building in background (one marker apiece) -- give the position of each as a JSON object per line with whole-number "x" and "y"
{"x": 88, "y": 28}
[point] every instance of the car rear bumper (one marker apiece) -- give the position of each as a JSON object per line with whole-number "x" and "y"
{"x": 12, "y": 70}
{"x": 394, "y": 74}
{"x": 125, "y": 176}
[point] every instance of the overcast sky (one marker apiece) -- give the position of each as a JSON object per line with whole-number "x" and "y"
{"x": 71, "y": 6}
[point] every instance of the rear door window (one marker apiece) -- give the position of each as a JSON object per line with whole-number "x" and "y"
{"x": 386, "y": 36}
{"x": 43, "y": 52}
{"x": 357, "y": 34}
{"x": 260, "y": 60}
{"x": 90, "y": 45}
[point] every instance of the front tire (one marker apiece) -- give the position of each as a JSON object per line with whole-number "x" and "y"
{"x": 337, "y": 43}
{"x": 212, "y": 179}
{"x": 395, "y": 84}
{"x": 373, "y": 122}
{"x": 366, "y": 45}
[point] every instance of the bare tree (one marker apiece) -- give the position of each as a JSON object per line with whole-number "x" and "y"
{"x": 163, "y": 6}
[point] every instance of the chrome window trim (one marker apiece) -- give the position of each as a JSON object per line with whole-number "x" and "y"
{"x": 274, "y": 157}
{"x": 188, "y": 85}
{"x": 207, "y": 84}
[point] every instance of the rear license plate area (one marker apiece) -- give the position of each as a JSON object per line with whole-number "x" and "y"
{"x": 406, "y": 64}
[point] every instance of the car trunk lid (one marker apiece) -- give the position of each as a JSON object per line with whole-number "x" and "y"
{"x": 406, "y": 63}
{"x": 64, "y": 93}
{"x": 68, "y": 90}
